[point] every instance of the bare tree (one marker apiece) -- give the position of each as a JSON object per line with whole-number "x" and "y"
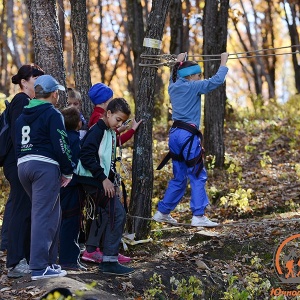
{"x": 292, "y": 20}
{"x": 47, "y": 40}
{"x": 215, "y": 40}
{"x": 61, "y": 21}
{"x": 176, "y": 26}
{"x": 4, "y": 80}
{"x": 81, "y": 61}
{"x": 142, "y": 169}
{"x": 11, "y": 25}
{"x": 135, "y": 26}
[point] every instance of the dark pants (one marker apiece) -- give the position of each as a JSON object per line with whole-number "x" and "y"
{"x": 41, "y": 180}
{"x": 69, "y": 251}
{"x": 5, "y": 224}
{"x": 97, "y": 228}
{"x": 110, "y": 222}
{"x": 18, "y": 246}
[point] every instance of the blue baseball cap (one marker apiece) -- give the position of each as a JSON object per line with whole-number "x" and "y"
{"x": 48, "y": 84}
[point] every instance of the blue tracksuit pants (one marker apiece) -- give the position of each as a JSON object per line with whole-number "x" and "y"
{"x": 177, "y": 185}
{"x": 41, "y": 180}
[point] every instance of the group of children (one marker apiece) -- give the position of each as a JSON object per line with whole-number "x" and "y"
{"x": 59, "y": 162}
{"x": 60, "y": 159}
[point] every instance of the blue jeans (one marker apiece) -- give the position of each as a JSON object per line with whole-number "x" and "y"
{"x": 114, "y": 230}
{"x": 177, "y": 185}
{"x": 110, "y": 223}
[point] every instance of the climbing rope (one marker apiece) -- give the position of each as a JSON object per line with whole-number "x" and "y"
{"x": 172, "y": 58}
{"x": 263, "y": 222}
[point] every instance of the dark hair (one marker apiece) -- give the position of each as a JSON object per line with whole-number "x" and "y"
{"x": 71, "y": 116}
{"x": 73, "y": 93}
{"x": 119, "y": 104}
{"x": 25, "y": 72}
{"x": 181, "y": 65}
{"x": 39, "y": 93}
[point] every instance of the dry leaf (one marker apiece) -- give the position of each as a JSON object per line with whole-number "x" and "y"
{"x": 201, "y": 265}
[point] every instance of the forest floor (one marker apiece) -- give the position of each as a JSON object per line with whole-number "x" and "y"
{"x": 232, "y": 261}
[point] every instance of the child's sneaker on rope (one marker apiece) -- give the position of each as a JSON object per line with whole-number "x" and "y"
{"x": 95, "y": 256}
{"x": 203, "y": 221}
{"x": 160, "y": 217}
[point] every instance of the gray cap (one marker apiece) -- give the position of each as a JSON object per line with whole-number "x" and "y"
{"x": 48, "y": 84}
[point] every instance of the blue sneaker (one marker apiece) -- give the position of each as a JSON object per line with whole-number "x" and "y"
{"x": 47, "y": 273}
{"x": 55, "y": 267}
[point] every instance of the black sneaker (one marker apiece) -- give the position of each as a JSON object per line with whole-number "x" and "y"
{"x": 114, "y": 268}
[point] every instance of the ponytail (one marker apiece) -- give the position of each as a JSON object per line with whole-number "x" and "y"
{"x": 174, "y": 72}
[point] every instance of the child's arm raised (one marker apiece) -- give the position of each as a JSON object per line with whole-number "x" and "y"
{"x": 224, "y": 58}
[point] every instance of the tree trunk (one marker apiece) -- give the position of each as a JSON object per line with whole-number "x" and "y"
{"x": 4, "y": 76}
{"x": 142, "y": 169}
{"x": 294, "y": 37}
{"x": 135, "y": 25}
{"x": 176, "y": 25}
{"x": 81, "y": 61}
{"x": 215, "y": 38}
{"x": 47, "y": 40}
{"x": 61, "y": 21}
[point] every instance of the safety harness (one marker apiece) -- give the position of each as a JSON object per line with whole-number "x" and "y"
{"x": 194, "y": 162}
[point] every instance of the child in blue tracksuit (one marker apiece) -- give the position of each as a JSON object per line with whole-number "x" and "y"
{"x": 185, "y": 91}
{"x": 44, "y": 165}
{"x": 70, "y": 199}
{"x": 97, "y": 173}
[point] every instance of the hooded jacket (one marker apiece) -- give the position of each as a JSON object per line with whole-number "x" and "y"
{"x": 97, "y": 155}
{"x": 41, "y": 135}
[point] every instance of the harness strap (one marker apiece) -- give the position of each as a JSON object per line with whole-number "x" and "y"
{"x": 124, "y": 196}
{"x": 198, "y": 160}
{"x": 192, "y": 129}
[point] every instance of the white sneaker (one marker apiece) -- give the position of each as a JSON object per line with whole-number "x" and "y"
{"x": 160, "y": 217}
{"x": 203, "y": 221}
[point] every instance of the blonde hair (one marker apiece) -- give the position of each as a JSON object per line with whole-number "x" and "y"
{"x": 74, "y": 94}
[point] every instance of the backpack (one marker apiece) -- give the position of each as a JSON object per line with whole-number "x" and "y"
{"x": 5, "y": 137}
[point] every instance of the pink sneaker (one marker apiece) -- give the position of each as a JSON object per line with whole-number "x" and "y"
{"x": 121, "y": 258}
{"x": 95, "y": 256}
